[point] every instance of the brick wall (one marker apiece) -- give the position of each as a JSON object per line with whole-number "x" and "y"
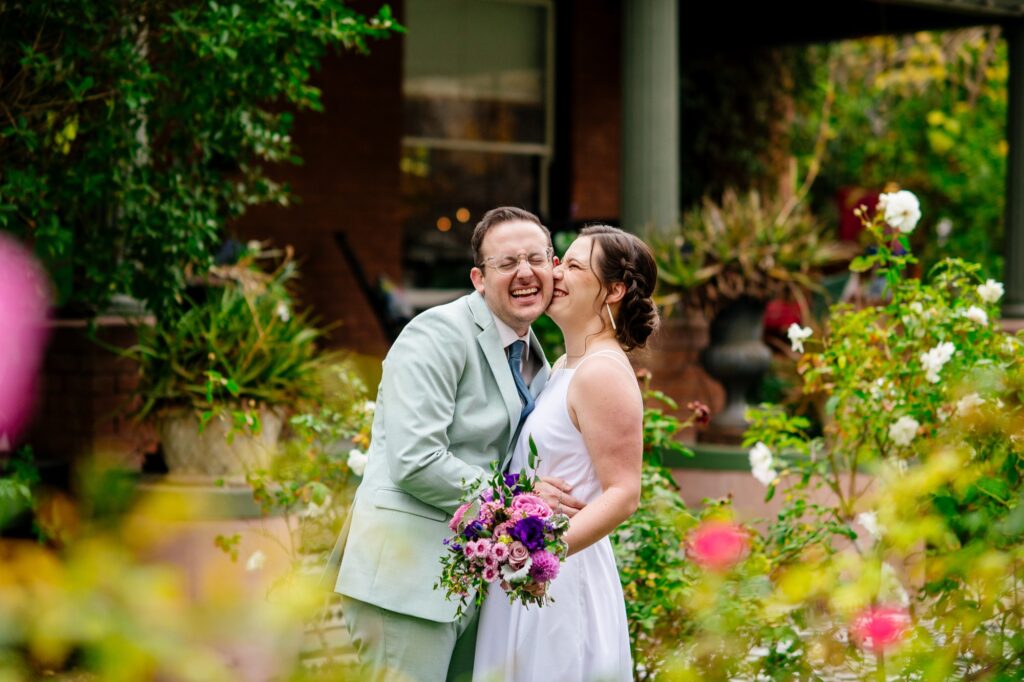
{"x": 596, "y": 109}
{"x": 348, "y": 182}
{"x": 84, "y": 398}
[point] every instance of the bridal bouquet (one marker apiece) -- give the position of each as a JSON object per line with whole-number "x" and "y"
{"x": 504, "y": 534}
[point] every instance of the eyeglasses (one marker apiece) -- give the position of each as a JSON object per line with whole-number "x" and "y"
{"x": 540, "y": 260}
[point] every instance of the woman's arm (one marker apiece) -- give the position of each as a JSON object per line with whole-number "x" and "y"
{"x": 605, "y": 404}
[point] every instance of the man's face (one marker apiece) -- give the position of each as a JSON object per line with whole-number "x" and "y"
{"x": 517, "y": 298}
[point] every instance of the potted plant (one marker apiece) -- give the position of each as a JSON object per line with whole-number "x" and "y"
{"x": 728, "y": 260}
{"x": 219, "y": 378}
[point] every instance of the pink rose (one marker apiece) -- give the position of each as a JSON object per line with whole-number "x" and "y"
{"x": 530, "y": 505}
{"x": 503, "y": 528}
{"x": 880, "y": 627}
{"x": 453, "y": 525}
{"x": 517, "y": 555}
{"x": 718, "y": 545}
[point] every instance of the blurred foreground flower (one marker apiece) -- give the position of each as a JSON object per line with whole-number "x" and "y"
{"x": 718, "y": 545}
{"x": 901, "y": 209}
{"x": 880, "y": 627}
{"x": 24, "y": 300}
{"x": 701, "y": 412}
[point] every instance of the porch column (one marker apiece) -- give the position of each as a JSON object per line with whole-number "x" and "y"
{"x": 1013, "y": 271}
{"x": 650, "y": 121}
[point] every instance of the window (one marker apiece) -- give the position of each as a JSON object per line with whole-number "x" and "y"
{"x": 477, "y": 127}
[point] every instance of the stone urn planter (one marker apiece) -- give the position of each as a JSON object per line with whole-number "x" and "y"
{"x": 205, "y": 457}
{"x": 738, "y": 358}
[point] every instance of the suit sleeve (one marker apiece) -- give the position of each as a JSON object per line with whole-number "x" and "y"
{"x": 420, "y": 382}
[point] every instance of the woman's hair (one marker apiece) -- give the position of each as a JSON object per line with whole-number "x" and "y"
{"x": 626, "y": 258}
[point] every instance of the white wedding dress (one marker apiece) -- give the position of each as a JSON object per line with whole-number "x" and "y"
{"x": 582, "y": 636}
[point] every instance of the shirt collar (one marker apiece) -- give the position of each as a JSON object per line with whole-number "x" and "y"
{"x": 508, "y": 336}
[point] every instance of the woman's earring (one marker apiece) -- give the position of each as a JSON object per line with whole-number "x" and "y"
{"x": 610, "y": 318}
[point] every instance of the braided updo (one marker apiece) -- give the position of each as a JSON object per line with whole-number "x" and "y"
{"x": 625, "y": 258}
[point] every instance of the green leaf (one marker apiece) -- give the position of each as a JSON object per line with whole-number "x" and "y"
{"x": 532, "y": 458}
{"x": 862, "y": 263}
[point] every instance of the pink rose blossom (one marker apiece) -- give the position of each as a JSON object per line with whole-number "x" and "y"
{"x": 530, "y": 505}
{"x": 503, "y": 528}
{"x": 545, "y": 566}
{"x": 517, "y": 555}
{"x": 718, "y": 545}
{"x": 453, "y": 525}
{"x": 880, "y": 627}
{"x": 499, "y": 551}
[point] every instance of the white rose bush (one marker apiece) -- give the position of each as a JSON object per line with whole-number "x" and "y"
{"x": 899, "y": 550}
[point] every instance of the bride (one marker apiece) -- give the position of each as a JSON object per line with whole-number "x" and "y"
{"x": 588, "y": 427}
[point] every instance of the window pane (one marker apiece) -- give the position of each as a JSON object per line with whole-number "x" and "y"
{"x": 436, "y": 184}
{"x": 475, "y": 70}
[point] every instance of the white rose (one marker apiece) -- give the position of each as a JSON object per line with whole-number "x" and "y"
{"x": 761, "y": 463}
{"x": 256, "y": 561}
{"x": 797, "y": 336}
{"x": 903, "y": 430}
{"x": 356, "y": 461}
{"x": 934, "y": 360}
{"x": 968, "y": 403}
{"x": 977, "y": 315}
{"x": 991, "y": 291}
{"x": 514, "y": 576}
{"x": 901, "y": 210}
{"x": 869, "y": 521}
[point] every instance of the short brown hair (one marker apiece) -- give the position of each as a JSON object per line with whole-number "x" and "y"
{"x": 498, "y": 216}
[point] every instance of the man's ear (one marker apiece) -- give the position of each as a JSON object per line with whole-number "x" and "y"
{"x": 476, "y": 275}
{"x": 615, "y": 292}
{"x": 555, "y": 261}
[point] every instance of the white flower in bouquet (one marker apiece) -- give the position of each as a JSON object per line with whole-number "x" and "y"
{"x": 356, "y": 461}
{"x": 869, "y": 521}
{"x": 761, "y": 463}
{"x": 797, "y": 336}
{"x": 900, "y": 209}
{"x": 977, "y": 315}
{"x": 969, "y": 403}
{"x": 991, "y": 291}
{"x": 256, "y": 561}
{"x": 903, "y": 430}
{"x": 934, "y": 360}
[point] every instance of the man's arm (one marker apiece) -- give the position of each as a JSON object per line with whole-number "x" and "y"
{"x": 420, "y": 382}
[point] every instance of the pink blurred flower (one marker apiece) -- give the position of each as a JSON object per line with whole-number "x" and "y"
{"x": 718, "y": 545}
{"x": 24, "y": 304}
{"x": 879, "y": 627}
{"x": 453, "y": 525}
{"x": 491, "y": 573}
{"x": 530, "y": 505}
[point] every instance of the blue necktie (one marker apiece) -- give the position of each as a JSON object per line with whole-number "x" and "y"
{"x": 515, "y": 359}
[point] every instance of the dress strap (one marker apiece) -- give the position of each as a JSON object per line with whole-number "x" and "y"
{"x": 610, "y": 353}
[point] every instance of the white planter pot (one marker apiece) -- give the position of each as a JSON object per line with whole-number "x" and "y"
{"x": 203, "y": 458}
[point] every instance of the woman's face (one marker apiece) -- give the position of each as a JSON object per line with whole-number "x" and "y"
{"x": 577, "y": 290}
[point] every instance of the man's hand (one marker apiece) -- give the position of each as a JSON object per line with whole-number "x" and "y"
{"x": 555, "y": 492}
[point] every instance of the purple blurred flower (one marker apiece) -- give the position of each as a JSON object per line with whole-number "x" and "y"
{"x": 473, "y": 530}
{"x": 24, "y": 303}
{"x": 545, "y": 566}
{"x": 530, "y": 532}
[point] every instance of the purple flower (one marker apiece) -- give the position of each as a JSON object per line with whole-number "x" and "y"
{"x": 530, "y": 532}
{"x": 512, "y": 481}
{"x": 472, "y": 530}
{"x": 545, "y": 566}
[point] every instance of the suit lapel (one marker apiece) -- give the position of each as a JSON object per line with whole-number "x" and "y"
{"x": 490, "y": 344}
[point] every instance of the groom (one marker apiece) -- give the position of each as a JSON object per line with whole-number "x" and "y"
{"x": 455, "y": 386}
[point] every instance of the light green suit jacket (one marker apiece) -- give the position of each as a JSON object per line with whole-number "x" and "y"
{"x": 447, "y": 407}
